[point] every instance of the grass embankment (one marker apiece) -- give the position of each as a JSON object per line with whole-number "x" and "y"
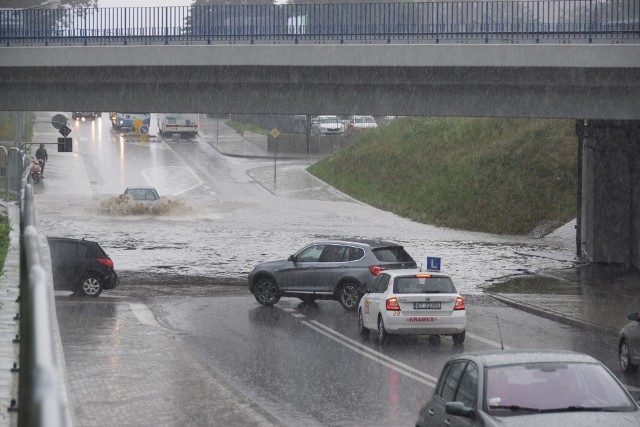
{"x": 5, "y": 228}
{"x": 242, "y": 127}
{"x": 7, "y": 134}
{"x": 502, "y": 176}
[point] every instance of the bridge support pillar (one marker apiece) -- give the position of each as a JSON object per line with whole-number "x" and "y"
{"x": 609, "y": 202}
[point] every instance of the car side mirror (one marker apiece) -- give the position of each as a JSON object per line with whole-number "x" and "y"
{"x": 633, "y": 317}
{"x": 459, "y": 409}
{"x": 292, "y": 258}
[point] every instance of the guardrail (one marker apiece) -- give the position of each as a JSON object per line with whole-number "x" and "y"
{"x": 548, "y": 21}
{"x": 40, "y": 400}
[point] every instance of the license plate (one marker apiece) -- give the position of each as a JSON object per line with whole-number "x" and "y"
{"x": 426, "y": 305}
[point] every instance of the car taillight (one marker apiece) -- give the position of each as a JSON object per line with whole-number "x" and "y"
{"x": 459, "y": 304}
{"x": 105, "y": 261}
{"x": 375, "y": 269}
{"x": 392, "y": 304}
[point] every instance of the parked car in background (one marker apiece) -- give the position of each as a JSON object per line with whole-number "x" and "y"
{"x": 78, "y": 115}
{"x": 81, "y": 266}
{"x": 412, "y": 302}
{"x": 121, "y": 121}
{"x": 331, "y": 269}
{"x": 142, "y": 194}
{"x": 328, "y": 125}
{"x": 362, "y": 122}
{"x": 528, "y": 388}
{"x": 629, "y": 344}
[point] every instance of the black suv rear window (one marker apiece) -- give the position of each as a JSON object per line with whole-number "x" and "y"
{"x": 392, "y": 254}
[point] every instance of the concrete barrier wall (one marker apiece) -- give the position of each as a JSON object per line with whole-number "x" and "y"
{"x": 317, "y": 145}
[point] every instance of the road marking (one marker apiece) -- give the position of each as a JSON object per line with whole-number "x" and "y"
{"x": 486, "y": 341}
{"x": 298, "y": 315}
{"x": 144, "y": 315}
{"x": 172, "y": 180}
{"x": 362, "y": 349}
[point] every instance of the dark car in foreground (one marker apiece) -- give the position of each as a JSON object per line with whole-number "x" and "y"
{"x": 331, "y": 269}
{"x": 528, "y": 388}
{"x": 81, "y": 266}
{"x": 629, "y": 344}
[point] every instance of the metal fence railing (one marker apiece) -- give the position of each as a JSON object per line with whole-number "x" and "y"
{"x": 546, "y": 21}
{"x": 42, "y": 400}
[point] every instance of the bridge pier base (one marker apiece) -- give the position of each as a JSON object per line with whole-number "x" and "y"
{"x": 608, "y": 224}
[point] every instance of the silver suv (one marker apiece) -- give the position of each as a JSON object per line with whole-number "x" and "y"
{"x": 331, "y": 269}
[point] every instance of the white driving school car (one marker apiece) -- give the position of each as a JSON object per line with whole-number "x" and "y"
{"x": 412, "y": 302}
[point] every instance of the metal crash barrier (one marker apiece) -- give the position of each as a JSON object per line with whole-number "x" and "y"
{"x": 484, "y": 21}
{"x": 42, "y": 399}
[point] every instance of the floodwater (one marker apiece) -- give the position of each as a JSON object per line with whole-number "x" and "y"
{"x": 220, "y": 215}
{"x": 225, "y": 240}
{"x": 123, "y": 205}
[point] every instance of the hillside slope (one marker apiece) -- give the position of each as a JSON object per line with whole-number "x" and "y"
{"x": 482, "y": 174}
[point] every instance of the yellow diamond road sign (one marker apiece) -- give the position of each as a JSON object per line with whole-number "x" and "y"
{"x": 275, "y": 133}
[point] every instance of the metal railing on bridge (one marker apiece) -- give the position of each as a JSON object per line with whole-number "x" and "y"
{"x": 484, "y": 21}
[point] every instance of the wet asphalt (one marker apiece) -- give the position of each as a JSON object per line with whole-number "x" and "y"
{"x": 116, "y": 373}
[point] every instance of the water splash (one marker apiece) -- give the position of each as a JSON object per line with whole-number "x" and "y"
{"x": 125, "y": 205}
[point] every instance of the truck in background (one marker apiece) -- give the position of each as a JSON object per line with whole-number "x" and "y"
{"x": 185, "y": 125}
{"x": 125, "y": 120}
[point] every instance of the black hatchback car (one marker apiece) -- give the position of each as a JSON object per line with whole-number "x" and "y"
{"x": 81, "y": 266}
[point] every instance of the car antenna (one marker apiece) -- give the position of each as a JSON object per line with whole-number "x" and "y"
{"x": 499, "y": 333}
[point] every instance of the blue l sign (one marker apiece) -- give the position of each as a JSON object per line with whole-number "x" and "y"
{"x": 433, "y": 263}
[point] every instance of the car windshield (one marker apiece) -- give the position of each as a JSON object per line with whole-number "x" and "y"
{"x": 550, "y": 387}
{"x": 142, "y": 194}
{"x": 329, "y": 120}
{"x": 364, "y": 120}
{"x": 423, "y": 285}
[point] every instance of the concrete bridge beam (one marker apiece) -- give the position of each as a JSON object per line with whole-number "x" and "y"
{"x": 609, "y": 222}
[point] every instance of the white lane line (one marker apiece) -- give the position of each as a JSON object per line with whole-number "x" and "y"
{"x": 144, "y": 315}
{"x": 486, "y": 341}
{"x": 298, "y": 315}
{"x": 372, "y": 354}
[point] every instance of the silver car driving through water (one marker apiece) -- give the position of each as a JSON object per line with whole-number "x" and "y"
{"x": 331, "y": 269}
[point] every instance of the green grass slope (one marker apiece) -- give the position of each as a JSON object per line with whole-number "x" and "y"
{"x": 501, "y": 176}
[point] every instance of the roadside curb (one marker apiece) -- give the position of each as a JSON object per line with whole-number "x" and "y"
{"x": 553, "y": 315}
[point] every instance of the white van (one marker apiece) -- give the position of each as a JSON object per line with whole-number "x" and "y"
{"x": 186, "y": 125}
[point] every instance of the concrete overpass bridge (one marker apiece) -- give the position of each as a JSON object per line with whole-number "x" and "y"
{"x": 546, "y": 59}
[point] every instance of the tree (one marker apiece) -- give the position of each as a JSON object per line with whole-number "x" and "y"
{"x": 24, "y": 4}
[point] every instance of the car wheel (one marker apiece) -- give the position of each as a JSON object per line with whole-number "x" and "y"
{"x": 349, "y": 296}
{"x": 364, "y": 332}
{"x": 383, "y": 336}
{"x": 308, "y": 299}
{"x": 624, "y": 357}
{"x": 267, "y": 292}
{"x": 458, "y": 339}
{"x": 90, "y": 286}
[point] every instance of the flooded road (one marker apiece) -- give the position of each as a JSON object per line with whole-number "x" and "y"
{"x": 234, "y": 214}
{"x": 182, "y": 342}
